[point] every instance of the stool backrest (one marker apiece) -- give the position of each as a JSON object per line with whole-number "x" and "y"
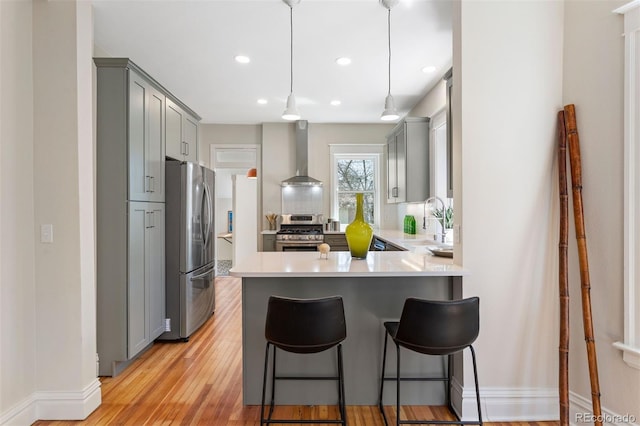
{"x": 305, "y": 325}
{"x": 439, "y": 327}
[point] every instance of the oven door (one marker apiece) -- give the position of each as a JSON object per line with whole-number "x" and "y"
{"x": 297, "y": 245}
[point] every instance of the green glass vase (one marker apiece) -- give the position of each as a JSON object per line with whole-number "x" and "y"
{"x": 359, "y": 233}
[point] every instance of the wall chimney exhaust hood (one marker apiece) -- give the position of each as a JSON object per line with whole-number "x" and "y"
{"x": 302, "y": 177}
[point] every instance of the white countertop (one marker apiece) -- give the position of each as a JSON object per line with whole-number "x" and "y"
{"x": 377, "y": 264}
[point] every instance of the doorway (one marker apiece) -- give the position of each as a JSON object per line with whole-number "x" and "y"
{"x": 228, "y": 160}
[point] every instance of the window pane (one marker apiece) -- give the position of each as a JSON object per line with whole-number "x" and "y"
{"x": 355, "y": 175}
{"x": 347, "y": 207}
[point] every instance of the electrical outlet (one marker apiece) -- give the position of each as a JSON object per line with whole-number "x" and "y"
{"x": 46, "y": 233}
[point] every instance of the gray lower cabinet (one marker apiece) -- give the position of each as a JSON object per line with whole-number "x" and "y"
{"x": 268, "y": 242}
{"x": 337, "y": 242}
{"x": 146, "y": 277}
{"x": 408, "y": 161}
{"x": 131, "y": 281}
{"x": 182, "y": 133}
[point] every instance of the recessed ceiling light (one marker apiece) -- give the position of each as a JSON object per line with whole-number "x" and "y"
{"x": 343, "y": 60}
{"x": 428, "y": 69}
{"x": 335, "y": 102}
{"x": 262, "y": 101}
{"x": 242, "y": 59}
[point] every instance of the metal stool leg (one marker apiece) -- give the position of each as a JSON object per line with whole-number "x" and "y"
{"x": 475, "y": 378}
{"x": 341, "y": 401}
{"x": 398, "y": 385}
{"x": 264, "y": 383}
{"x": 384, "y": 360}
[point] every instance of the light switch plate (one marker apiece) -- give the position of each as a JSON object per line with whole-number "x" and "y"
{"x": 46, "y": 233}
{"x": 456, "y": 234}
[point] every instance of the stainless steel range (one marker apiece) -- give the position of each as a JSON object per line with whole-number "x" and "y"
{"x": 300, "y": 233}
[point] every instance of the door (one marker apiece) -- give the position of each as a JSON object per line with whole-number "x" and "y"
{"x": 137, "y": 138}
{"x": 401, "y": 165}
{"x": 197, "y": 216}
{"x": 137, "y": 304}
{"x": 174, "y": 143}
{"x": 197, "y": 299}
{"x": 190, "y": 138}
{"x": 146, "y": 141}
{"x": 155, "y": 147}
{"x": 156, "y": 271}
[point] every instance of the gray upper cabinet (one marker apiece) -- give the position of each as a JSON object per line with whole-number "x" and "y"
{"x": 182, "y": 133}
{"x": 408, "y": 161}
{"x": 145, "y": 140}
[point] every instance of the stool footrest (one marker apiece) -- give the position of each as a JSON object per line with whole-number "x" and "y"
{"x": 436, "y": 422}
{"x": 418, "y": 379}
{"x": 316, "y": 422}
{"x": 306, "y": 378}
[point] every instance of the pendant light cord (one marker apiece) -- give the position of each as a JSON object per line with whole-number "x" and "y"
{"x": 291, "y": 43}
{"x": 389, "y": 39}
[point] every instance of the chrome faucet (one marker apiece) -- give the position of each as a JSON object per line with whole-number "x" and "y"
{"x": 444, "y": 210}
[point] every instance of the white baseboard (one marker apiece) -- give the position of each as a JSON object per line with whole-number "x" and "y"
{"x": 580, "y": 413}
{"x": 54, "y": 406}
{"x": 507, "y": 404}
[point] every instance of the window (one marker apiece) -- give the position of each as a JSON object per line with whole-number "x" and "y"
{"x": 355, "y": 168}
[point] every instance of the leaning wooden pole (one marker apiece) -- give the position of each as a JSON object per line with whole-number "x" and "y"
{"x": 576, "y": 184}
{"x": 563, "y": 245}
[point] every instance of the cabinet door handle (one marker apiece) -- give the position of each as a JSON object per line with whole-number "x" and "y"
{"x": 186, "y": 145}
{"x": 148, "y": 220}
{"x": 147, "y": 183}
{"x": 152, "y": 184}
{"x": 394, "y": 192}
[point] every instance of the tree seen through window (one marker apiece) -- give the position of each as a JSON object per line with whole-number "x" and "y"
{"x": 355, "y": 175}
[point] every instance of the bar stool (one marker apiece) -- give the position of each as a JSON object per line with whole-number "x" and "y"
{"x": 304, "y": 326}
{"x": 433, "y": 328}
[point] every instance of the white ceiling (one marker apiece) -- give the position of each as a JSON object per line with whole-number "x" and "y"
{"x": 189, "y": 47}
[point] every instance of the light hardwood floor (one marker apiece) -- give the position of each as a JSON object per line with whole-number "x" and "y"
{"x": 200, "y": 382}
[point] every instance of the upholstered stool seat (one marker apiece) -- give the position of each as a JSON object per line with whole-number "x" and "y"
{"x": 433, "y": 328}
{"x": 303, "y": 326}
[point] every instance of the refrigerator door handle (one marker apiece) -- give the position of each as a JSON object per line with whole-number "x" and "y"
{"x": 210, "y": 212}
{"x": 202, "y": 275}
{"x": 203, "y": 230}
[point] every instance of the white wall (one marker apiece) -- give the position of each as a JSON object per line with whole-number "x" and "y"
{"x": 593, "y": 81}
{"x": 433, "y": 102}
{"x": 508, "y": 82}
{"x": 49, "y": 346}
{"x": 17, "y": 258}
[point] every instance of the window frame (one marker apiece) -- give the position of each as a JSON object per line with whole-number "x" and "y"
{"x": 631, "y": 344}
{"x": 357, "y": 151}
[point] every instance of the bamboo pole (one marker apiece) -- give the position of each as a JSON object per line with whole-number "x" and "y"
{"x": 563, "y": 246}
{"x": 587, "y": 321}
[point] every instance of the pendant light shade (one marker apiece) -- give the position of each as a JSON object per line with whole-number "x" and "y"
{"x": 389, "y": 113}
{"x": 291, "y": 112}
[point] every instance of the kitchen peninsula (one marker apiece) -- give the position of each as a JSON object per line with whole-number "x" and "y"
{"x": 373, "y": 290}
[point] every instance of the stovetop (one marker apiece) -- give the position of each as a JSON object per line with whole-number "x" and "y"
{"x": 300, "y": 232}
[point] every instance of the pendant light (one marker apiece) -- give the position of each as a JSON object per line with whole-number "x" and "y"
{"x": 291, "y": 112}
{"x": 389, "y": 113}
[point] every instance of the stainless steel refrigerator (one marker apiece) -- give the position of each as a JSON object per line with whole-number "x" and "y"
{"x": 189, "y": 246}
